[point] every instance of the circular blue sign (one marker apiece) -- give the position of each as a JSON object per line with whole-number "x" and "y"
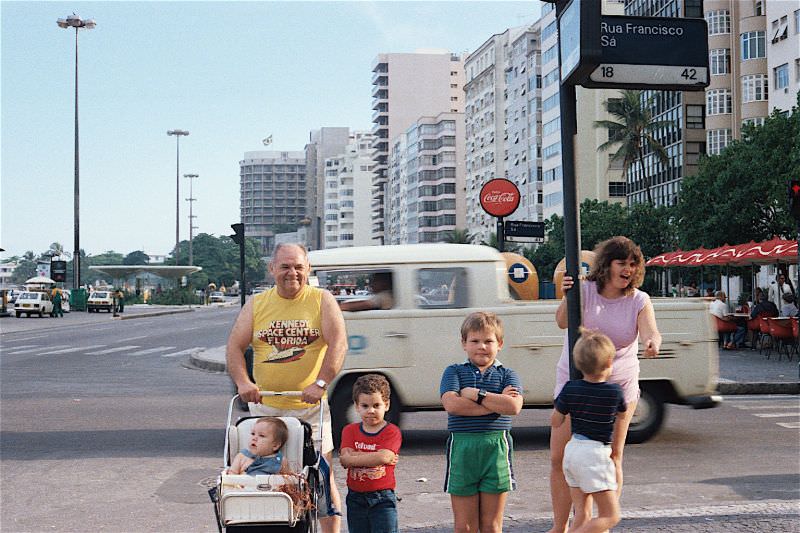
{"x": 518, "y": 273}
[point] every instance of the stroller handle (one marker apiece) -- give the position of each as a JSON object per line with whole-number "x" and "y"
{"x": 264, "y": 393}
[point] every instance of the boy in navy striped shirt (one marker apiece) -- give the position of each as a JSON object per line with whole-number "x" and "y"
{"x": 480, "y": 395}
{"x": 592, "y": 405}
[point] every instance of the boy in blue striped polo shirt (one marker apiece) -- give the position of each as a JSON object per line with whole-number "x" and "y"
{"x": 592, "y": 405}
{"x": 480, "y": 395}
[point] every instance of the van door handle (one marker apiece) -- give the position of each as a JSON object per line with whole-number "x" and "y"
{"x": 395, "y": 335}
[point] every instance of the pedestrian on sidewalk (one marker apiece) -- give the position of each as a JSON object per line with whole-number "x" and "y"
{"x": 593, "y": 404}
{"x": 719, "y": 309}
{"x": 613, "y": 305}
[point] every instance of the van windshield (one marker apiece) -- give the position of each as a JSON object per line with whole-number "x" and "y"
{"x": 29, "y": 296}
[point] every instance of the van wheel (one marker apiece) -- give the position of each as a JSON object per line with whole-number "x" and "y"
{"x": 19, "y": 314}
{"x": 647, "y": 419}
{"x": 343, "y": 411}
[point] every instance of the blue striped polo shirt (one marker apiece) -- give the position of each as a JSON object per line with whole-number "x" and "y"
{"x": 592, "y": 407}
{"x": 494, "y": 379}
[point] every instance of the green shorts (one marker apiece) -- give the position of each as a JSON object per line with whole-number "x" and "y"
{"x": 479, "y": 462}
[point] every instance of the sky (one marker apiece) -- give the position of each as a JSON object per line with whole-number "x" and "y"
{"x": 231, "y": 73}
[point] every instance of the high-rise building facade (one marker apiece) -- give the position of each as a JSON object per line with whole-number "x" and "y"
{"x": 348, "y": 197}
{"x": 783, "y": 52}
{"x": 322, "y": 144}
{"x": 406, "y": 87}
{"x": 597, "y": 177}
{"x": 272, "y": 187}
{"x": 522, "y": 151}
{"x": 426, "y": 181}
{"x": 685, "y": 139}
{"x": 485, "y": 123}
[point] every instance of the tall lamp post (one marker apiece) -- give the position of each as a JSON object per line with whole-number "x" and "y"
{"x": 178, "y": 134}
{"x": 191, "y": 201}
{"x": 74, "y": 21}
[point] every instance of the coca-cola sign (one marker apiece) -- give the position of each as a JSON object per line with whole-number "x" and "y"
{"x": 499, "y": 197}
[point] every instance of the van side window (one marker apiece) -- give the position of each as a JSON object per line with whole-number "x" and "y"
{"x": 359, "y": 290}
{"x": 442, "y": 288}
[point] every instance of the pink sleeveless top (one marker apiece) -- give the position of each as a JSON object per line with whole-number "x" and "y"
{"x": 617, "y": 318}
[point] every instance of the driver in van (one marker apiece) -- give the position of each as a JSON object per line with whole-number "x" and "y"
{"x": 382, "y": 298}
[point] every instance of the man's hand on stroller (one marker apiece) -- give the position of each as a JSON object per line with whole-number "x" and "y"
{"x": 313, "y": 394}
{"x": 249, "y": 392}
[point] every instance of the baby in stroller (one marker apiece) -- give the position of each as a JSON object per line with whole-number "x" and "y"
{"x": 263, "y": 454}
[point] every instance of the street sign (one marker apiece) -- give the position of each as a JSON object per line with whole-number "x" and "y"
{"x": 660, "y": 53}
{"x": 579, "y": 39}
{"x": 523, "y": 231}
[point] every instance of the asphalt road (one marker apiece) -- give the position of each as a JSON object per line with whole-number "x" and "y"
{"x": 104, "y": 428}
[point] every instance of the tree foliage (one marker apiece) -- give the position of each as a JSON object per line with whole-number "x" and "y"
{"x": 741, "y": 194}
{"x": 459, "y": 236}
{"x": 137, "y": 257}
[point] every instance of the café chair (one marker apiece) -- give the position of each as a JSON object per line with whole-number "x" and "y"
{"x": 781, "y": 331}
{"x": 764, "y": 339}
{"x": 724, "y": 328}
{"x": 754, "y": 329}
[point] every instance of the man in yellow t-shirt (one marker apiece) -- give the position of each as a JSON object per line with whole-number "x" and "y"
{"x": 299, "y": 342}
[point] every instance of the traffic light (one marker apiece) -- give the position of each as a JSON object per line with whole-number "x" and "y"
{"x": 794, "y": 198}
{"x": 238, "y": 236}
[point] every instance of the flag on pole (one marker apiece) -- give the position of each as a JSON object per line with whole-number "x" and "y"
{"x": 267, "y": 141}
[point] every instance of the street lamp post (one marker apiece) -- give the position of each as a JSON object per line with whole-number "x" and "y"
{"x": 74, "y": 21}
{"x": 178, "y": 134}
{"x": 191, "y": 200}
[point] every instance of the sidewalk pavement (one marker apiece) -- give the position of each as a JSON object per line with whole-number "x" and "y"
{"x": 742, "y": 371}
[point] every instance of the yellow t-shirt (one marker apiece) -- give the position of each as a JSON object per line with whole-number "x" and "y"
{"x": 288, "y": 347}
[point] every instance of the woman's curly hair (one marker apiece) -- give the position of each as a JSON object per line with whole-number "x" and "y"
{"x": 617, "y": 248}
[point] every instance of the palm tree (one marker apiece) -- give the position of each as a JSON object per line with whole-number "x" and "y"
{"x": 633, "y": 131}
{"x": 459, "y": 236}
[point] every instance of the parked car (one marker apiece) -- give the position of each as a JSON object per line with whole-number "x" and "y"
{"x": 216, "y": 296}
{"x": 100, "y": 300}
{"x": 33, "y": 303}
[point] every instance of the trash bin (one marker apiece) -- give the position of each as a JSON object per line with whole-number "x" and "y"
{"x": 77, "y": 299}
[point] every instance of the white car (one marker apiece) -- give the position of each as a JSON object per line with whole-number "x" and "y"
{"x": 33, "y": 303}
{"x": 100, "y": 300}
{"x": 216, "y": 296}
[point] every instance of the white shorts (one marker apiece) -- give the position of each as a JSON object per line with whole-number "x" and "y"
{"x": 588, "y": 466}
{"x": 310, "y": 415}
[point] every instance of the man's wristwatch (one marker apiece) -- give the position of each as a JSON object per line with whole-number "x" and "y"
{"x": 321, "y": 383}
{"x": 481, "y": 396}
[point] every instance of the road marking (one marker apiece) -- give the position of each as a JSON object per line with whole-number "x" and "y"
{"x": 190, "y": 351}
{"x": 69, "y": 350}
{"x": 23, "y": 347}
{"x": 153, "y": 350}
{"x": 774, "y": 415}
{"x": 113, "y": 350}
{"x": 759, "y": 407}
{"x": 134, "y": 338}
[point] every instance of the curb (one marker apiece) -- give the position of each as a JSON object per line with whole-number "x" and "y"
{"x": 207, "y": 364}
{"x": 154, "y": 313}
{"x": 730, "y": 389}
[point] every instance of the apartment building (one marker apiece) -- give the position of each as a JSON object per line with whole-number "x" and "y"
{"x": 783, "y": 52}
{"x": 685, "y": 140}
{"x": 272, "y": 187}
{"x": 322, "y": 143}
{"x": 522, "y": 148}
{"x": 485, "y": 122}
{"x": 348, "y": 194}
{"x": 407, "y": 86}
{"x": 597, "y": 177}
{"x": 426, "y": 181}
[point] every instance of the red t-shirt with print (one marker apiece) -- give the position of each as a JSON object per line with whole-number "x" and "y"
{"x": 369, "y": 479}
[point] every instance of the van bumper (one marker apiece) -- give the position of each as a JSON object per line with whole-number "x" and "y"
{"x": 704, "y": 402}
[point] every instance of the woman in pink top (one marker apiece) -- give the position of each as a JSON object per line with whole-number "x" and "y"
{"x": 614, "y": 305}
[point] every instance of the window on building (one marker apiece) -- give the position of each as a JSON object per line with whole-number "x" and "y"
{"x": 616, "y": 189}
{"x": 797, "y": 21}
{"x": 781, "y": 76}
{"x": 550, "y": 102}
{"x": 717, "y": 140}
{"x": 549, "y": 31}
{"x": 695, "y": 118}
{"x": 718, "y": 102}
{"x": 550, "y": 54}
{"x": 551, "y": 150}
{"x": 755, "y": 121}
{"x": 780, "y": 29}
{"x": 551, "y": 127}
{"x": 693, "y": 8}
{"x": 719, "y": 22}
{"x": 753, "y": 45}
{"x": 720, "y": 61}
{"x": 754, "y": 88}
{"x": 758, "y": 8}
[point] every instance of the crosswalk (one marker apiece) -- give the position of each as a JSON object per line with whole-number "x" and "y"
{"x": 784, "y": 410}
{"x": 127, "y": 350}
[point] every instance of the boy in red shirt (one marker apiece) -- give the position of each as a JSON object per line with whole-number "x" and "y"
{"x": 369, "y": 453}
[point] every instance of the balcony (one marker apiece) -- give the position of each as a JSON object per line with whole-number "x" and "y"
{"x": 380, "y": 93}
{"x": 382, "y": 112}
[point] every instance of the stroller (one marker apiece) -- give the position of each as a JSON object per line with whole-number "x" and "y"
{"x": 285, "y": 502}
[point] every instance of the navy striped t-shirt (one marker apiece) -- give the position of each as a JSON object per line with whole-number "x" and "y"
{"x": 592, "y": 407}
{"x": 494, "y": 379}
